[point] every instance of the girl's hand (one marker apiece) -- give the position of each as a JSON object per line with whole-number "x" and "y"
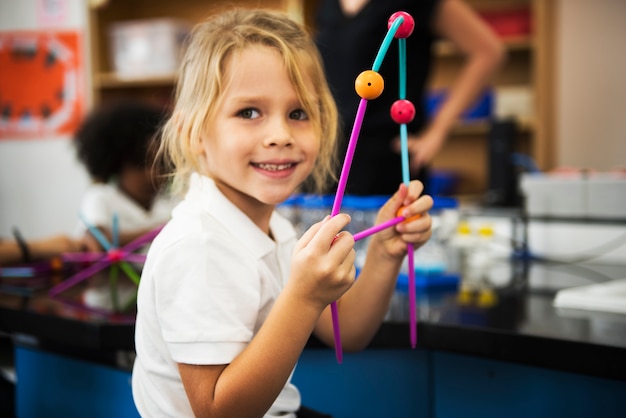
{"x": 417, "y": 231}
{"x": 322, "y": 267}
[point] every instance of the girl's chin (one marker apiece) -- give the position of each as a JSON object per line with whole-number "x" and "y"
{"x": 277, "y": 197}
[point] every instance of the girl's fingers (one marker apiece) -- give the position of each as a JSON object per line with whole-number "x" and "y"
{"x": 322, "y": 234}
{"x": 414, "y": 190}
{"x": 329, "y": 230}
{"x": 310, "y": 233}
{"x": 418, "y": 226}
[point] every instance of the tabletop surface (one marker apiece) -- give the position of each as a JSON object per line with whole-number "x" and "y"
{"x": 516, "y": 322}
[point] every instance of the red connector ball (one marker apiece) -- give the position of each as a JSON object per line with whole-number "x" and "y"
{"x": 406, "y": 28}
{"x": 115, "y": 254}
{"x": 402, "y": 111}
{"x": 369, "y": 85}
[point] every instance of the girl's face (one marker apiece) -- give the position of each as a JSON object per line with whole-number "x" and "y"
{"x": 260, "y": 145}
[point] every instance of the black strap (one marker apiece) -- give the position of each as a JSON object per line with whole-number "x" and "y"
{"x": 21, "y": 242}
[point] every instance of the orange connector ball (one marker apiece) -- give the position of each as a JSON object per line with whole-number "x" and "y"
{"x": 410, "y": 218}
{"x": 369, "y": 85}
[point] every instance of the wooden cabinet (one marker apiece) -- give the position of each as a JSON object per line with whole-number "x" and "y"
{"x": 107, "y": 85}
{"x": 529, "y": 70}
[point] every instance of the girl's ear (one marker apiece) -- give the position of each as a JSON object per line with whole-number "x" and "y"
{"x": 195, "y": 145}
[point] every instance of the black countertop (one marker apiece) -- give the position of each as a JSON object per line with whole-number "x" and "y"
{"x": 519, "y": 324}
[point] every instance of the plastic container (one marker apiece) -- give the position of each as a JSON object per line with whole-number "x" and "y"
{"x": 481, "y": 109}
{"x": 313, "y": 208}
{"x": 434, "y": 262}
{"x": 442, "y": 183}
{"x": 147, "y": 48}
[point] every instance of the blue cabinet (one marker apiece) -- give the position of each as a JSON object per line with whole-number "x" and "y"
{"x": 465, "y": 386}
{"x": 50, "y": 386}
{"x": 373, "y": 383}
{"x": 394, "y": 383}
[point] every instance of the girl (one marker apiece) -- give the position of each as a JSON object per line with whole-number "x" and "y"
{"x": 228, "y": 298}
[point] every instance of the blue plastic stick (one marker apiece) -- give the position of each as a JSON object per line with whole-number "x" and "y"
{"x": 99, "y": 236}
{"x": 402, "y": 65}
{"x": 382, "y": 51}
{"x": 116, "y": 231}
{"x": 406, "y": 178}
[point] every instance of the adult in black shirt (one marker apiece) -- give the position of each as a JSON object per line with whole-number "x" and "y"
{"x": 349, "y": 35}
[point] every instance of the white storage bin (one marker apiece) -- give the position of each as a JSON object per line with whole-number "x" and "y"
{"x": 147, "y": 48}
{"x": 551, "y": 195}
{"x": 607, "y": 196}
{"x": 598, "y": 195}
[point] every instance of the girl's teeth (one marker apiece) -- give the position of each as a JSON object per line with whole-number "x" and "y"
{"x": 274, "y": 167}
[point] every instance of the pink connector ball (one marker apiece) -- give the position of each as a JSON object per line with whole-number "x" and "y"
{"x": 406, "y": 28}
{"x": 402, "y": 111}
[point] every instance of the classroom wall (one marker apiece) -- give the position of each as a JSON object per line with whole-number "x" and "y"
{"x": 41, "y": 182}
{"x": 591, "y": 84}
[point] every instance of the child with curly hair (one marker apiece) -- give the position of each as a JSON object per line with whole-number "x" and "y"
{"x": 116, "y": 144}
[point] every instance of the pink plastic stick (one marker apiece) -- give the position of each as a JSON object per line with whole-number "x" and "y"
{"x": 80, "y": 276}
{"x": 347, "y": 162}
{"x": 144, "y": 239}
{"x": 82, "y": 257}
{"x": 377, "y": 228}
{"x": 412, "y": 301}
{"x": 341, "y": 188}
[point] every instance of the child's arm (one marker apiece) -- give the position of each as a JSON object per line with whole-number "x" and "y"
{"x": 39, "y": 249}
{"x": 248, "y": 386}
{"x": 362, "y": 309}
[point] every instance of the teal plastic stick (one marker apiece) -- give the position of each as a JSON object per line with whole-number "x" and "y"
{"x": 404, "y": 154}
{"x": 99, "y": 236}
{"x": 406, "y": 179}
{"x": 382, "y": 51}
{"x": 116, "y": 231}
{"x": 402, "y": 64}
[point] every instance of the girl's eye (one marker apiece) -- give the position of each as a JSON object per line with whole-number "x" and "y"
{"x": 249, "y": 113}
{"x": 299, "y": 115}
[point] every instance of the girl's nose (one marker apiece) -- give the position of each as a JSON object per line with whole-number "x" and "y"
{"x": 279, "y": 134}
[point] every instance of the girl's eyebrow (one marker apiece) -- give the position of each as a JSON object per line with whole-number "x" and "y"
{"x": 245, "y": 99}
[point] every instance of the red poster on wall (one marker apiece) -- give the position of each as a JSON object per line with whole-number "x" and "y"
{"x": 42, "y": 83}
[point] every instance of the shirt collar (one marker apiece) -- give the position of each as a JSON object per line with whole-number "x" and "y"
{"x": 204, "y": 193}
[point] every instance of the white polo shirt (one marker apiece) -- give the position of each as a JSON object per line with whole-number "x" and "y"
{"x": 209, "y": 282}
{"x": 101, "y": 201}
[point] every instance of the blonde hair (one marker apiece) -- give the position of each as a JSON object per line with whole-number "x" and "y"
{"x": 200, "y": 86}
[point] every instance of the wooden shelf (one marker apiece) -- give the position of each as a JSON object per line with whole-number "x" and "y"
{"x": 521, "y": 43}
{"x": 481, "y": 127}
{"x": 113, "y": 80}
